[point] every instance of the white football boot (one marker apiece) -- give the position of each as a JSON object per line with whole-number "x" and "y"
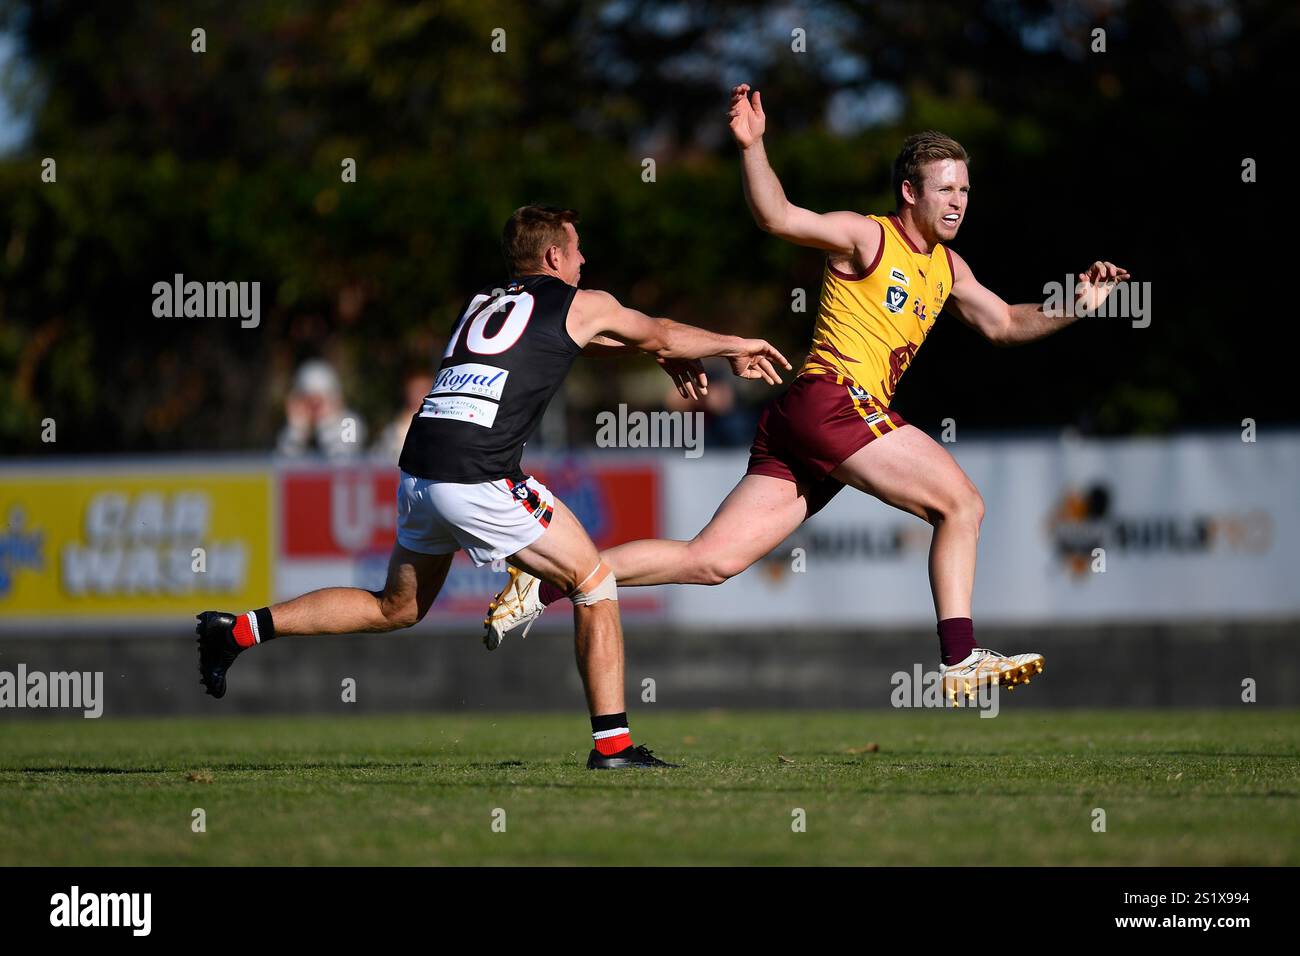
{"x": 984, "y": 666}
{"x": 516, "y": 605}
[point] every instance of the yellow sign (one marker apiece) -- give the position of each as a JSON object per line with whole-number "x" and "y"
{"x": 130, "y": 544}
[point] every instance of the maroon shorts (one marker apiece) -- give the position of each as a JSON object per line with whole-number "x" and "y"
{"x": 818, "y": 423}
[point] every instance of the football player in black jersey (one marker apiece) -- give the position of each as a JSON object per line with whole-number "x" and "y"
{"x": 461, "y": 484}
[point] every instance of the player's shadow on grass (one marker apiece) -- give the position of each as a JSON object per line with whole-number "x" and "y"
{"x": 924, "y": 763}
{"x": 433, "y": 765}
{"x": 217, "y": 767}
{"x": 88, "y": 770}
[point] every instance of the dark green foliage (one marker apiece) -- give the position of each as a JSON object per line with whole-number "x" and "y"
{"x": 226, "y": 166}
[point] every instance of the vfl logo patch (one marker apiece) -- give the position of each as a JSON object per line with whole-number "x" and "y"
{"x": 861, "y": 394}
{"x": 898, "y": 275}
{"x": 895, "y": 298}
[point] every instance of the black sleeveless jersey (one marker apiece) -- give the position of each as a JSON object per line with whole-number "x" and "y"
{"x": 507, "y": 356}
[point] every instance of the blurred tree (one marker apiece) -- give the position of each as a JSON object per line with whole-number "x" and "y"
{"x": 225, "y": 165}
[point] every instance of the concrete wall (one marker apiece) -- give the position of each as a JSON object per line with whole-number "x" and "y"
{"x": 431, "y": 669}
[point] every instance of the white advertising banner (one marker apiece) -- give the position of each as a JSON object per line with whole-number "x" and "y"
{"x": 1197, "y": 527}
{"x": 1126, "y": 530}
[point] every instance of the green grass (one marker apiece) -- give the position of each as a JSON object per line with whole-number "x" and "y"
{"x": 943, "y": 788}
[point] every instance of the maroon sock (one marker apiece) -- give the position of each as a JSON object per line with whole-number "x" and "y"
{"x": 549, "y": 593}
{"x": 956, "y": 639}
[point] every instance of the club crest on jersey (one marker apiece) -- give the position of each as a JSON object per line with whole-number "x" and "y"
{"x": 895, "y": 298}
{"x": 898, "y": 275}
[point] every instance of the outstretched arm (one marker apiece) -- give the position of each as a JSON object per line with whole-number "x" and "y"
{"x": 843, "y": 232}
{"x": 1003, "y": 324}
{"x": 596, "y": 313}
{"x": 687, "y": 374}
{"x": 602, "y": 346}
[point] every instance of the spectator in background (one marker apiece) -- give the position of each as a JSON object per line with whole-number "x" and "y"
{"x": 728, "y": 423}
{"x": 317, "y": 422}
{"x": 415, "y": 385}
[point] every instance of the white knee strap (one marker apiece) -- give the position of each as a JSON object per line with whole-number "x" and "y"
{"x": 599, "y": 585}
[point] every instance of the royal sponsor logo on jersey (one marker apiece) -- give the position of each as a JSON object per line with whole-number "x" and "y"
{"x": 462, "y": 408}
{"x": 898, "y": 275}
{"x": 485, "y": 380}
{"x": 895, "y": 298}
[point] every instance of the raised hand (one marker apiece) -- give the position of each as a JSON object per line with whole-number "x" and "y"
{"x": 1095, "y": 284}
{"x": 754, "y": 360}
{"x": 747, "y": 119}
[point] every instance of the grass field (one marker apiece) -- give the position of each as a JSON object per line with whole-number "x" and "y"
{"x": 942, "y": 788}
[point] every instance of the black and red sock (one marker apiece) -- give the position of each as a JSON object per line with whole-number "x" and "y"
{"x": 956, "y": 639}
{"x": 254, "y": 627}
{"x": 610, "y": 733}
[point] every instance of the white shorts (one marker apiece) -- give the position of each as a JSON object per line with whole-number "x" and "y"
{"x": 490, "y": 520}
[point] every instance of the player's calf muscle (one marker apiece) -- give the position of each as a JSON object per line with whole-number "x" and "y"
{"x": 336, "y": 611}
{"x": 399, "y": 613}
{"x": 709, "y": 566}
{"x": 646, "y": 562}
{"x": 663, "y": 561}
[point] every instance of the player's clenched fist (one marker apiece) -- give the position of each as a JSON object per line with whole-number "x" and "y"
{"x": 747, "y": 119}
